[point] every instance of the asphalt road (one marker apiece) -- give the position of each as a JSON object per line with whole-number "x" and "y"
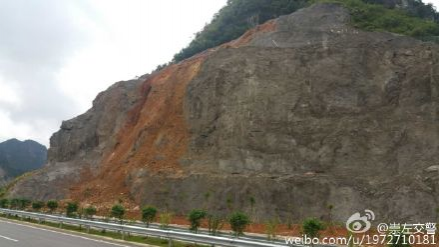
{"x": 14, "y": 234}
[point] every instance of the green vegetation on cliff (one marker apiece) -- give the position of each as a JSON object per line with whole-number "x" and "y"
{"x": 235, "y": 19}
{"x": 376, "y": 17}
{"x": 410, "y": 17}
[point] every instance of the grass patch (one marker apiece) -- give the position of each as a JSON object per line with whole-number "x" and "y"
{"x": 109, "y": 234}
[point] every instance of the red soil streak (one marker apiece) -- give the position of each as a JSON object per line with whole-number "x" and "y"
{"x": 155, "y": 135}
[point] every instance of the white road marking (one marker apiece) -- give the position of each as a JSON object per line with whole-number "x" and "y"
{"x": 63, "y": 233}
{"x": 10, "y": 239}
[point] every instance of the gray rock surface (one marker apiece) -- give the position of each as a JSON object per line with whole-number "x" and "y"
{"x": 313, "y": 114}
{"x": 80, "y": 143}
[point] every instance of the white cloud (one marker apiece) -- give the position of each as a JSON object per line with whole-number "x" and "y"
{"x": 8, "y": 95}
{"x": 56, "y": 55}
{"x": 433, "y": 2}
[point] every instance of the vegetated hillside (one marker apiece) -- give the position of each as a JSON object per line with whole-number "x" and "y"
{"x": 238, "y": 16}
{"x": 302, "y": 112}
{"x": 376, "y": 17}
{"x": 18, "y": 157}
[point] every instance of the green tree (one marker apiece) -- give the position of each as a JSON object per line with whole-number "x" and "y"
{"x": 195, "y": 217}
{"x": 14, "y": 203}
{"x": 24, "y": 203}
{"x": 312, "y": 227}
{"x": 38, "y": 205}
{"x": 71, "y": 209}
{"x": 235, "y": 19}
{"x": 238, "y": 222}
{"x": 238, "y": 16}
{"x": 90, "y": 211}
{"x": 52, "y": 205}
{"x": 148, "y": 214}
{"x": 4, "y": 203}
{"x": 118, "y": 211}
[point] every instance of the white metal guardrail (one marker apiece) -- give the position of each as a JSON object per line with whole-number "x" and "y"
{"x": 137, "y": 230}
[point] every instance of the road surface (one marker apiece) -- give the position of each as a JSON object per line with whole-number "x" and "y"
{"x": 14, "y": 234}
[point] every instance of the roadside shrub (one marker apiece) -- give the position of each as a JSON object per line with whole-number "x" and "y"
{"x": 238, "y": 222}
{"x": 195, "y": 217}
{"x": 71, "y": 209}
{"x": 148, "y": 214}
{"x": 311, "y": 227}
{"x": 118, "y": 211}
{"x": 4, "y": 203}
{"x": 90, "y": 211}
{"x": 52, "y": 205}
{"x": 37, "y": 206}
{"x": 14, "y": 203}
{"x": 23, "y": 203}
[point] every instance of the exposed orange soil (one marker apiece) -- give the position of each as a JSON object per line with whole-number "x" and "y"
{"x": 155, "y": 135}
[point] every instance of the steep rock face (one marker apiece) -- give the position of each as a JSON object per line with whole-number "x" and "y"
{"x": 298, "y": 114}
{"x": 18, "y": 157}
{"x": 78, "y": 147}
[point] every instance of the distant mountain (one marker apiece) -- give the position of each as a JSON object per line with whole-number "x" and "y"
{"x": 18, "y": 157}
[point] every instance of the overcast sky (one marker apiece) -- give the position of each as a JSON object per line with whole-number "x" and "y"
{"x": 56, "y": 55}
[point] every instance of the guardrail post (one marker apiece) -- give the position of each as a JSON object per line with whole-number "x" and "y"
{"x": 123, "y": 235}
{"x": 88, "y": 229}
{"x": 170, "y": 242}
{"x": 60, "y": 224}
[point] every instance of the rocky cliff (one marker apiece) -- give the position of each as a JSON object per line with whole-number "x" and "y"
{"x": 18, "y": 157}
{"x": 298, "y": 114}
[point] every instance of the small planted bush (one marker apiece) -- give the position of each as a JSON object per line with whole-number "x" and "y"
{"x": 23, "y": 203}
{"x": 71, "y": 209}
{"x": 14, "y": 203}
{"x": 238, "y": 222}
{"x": 312, "y": 227}
{"x": 4, "y": 203}
{"x": 38, "y": 205}
{"x": 195, "y": 217}
{"x": 148, "y": 214}
{"x": 90, "y": 211}
{"x": 118, "y": 211}
{"x": 52, "y": 205}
